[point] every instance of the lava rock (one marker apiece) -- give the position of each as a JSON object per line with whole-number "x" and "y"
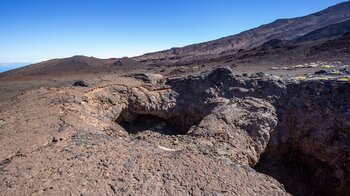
{"x": 81, "y": 83}
{"x": 321, "y": 72}
{"x": 220, "y": 75}
{"x": 147, "y": 77}
{"x": 257, "y": 75}
{"x": 222, "y": 126}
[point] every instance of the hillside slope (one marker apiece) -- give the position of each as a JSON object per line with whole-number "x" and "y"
{"x": 280, "y": 29}
{"x": 72, "y": 65}
{"x": 329, "y": 31}
{"x": 327, "y": 44}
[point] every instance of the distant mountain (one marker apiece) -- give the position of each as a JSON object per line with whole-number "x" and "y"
{"x": 72, "y": 65}
{"x": 283, "y": 29}
{"x": 8, "y": 66}
{"x": 339, "y": 46}
{"x": 330, "y": 43}
{"x": 327, "y": 32}
{"x": 318, "y": 36}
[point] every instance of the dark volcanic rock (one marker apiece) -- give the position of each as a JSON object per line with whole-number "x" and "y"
{"x": 201, "y": 134}
{"x": 309, "y": 150}
{"x": 147, "y": 77}
{"x": 81, "y": 83}
{"x": 320, "y": 72}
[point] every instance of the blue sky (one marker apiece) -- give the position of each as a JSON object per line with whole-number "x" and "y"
{"x": 34, "y": 30}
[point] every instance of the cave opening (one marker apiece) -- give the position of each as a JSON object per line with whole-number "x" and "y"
{"x": 300, "y": 173}
{"x": 135, "y": 123}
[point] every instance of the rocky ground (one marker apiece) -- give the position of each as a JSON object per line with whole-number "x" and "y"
{"x": 213, "y": 133}
{"x": 263, "y": 112}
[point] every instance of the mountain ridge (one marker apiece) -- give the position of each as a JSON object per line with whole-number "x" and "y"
{"x": 77, "y": 64}
{"x": 279, "y": 29}
{"x": 224, "y": 48}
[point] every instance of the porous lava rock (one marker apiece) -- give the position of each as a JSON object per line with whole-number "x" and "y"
{"x": 211, "y": 133}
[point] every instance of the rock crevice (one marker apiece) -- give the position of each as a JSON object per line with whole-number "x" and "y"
{"x": 212, "y": 133}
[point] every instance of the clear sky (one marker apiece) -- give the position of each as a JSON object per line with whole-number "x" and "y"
{"x": 34, "y": 30}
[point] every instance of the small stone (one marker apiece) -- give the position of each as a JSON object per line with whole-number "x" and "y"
{"x": 81, "y": 83}
{"x": 320, "y": 72}
{"x": 54, "y": 139}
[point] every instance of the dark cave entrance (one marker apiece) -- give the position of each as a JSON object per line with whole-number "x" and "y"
{"x": 143, "y": 122}
{"x": 300, "y": 173}
{"x": 309, "y": 150}
{"x": 134, "y": 123}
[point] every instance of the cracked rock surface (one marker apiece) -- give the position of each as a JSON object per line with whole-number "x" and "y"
{"x": 149, "y": 135}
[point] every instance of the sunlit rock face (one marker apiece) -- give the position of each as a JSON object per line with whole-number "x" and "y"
{"x": 211, "y": 133}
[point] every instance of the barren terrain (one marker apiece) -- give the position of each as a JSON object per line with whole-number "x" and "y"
{"x": 264, "y": 112}
{"x": 147, "y": 134}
